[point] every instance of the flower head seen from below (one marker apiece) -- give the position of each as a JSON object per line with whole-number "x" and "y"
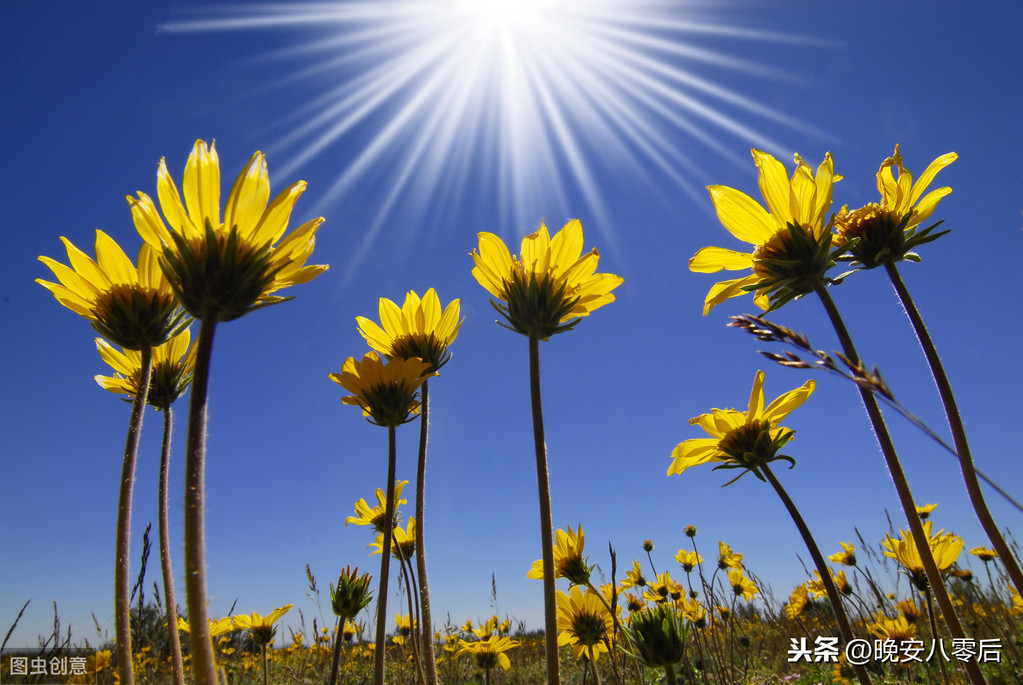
{"x": 403, "y": 543}
{"x": 743, "y": 440}
{"x": 847, "y": 556}
{"x": 550, "y": 286}
{"x": 260, "y": 627}
{"x": 584, "y": 622}
{"x": 924, "y": 511}
{"x": 226, "y": 265}
{"x": 945, "y": 548}
{"x": 791, "y": 242}
{"x": 131, "y": 307}
{"x": 366, "y": 515}
{"x": 741, "y": 585}
{"x": 352, "y": 594}
{"x": 727, "y": 558}
{"x": 688, "y": 560}
{"x": 489, "y": 653}
{"x": 569, "y": 562}
{"x": 172, "y": 366}
{"x": 984, "y": 554}
{"x": 218, "y": 626}
{"x": 798, "y": 601}
{"x": 889, "y": 231}
{"x": 656, "y": 636}
{"x": 385, "y": 392}
{"x": 419, "y": 328}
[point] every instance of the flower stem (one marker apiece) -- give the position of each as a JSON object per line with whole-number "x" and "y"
{"x": 426, "y": 626}
{"x": 413, "y": 615}
{"x": 204, "y": 667}
{"x": 122, "y": 599}
{"x": 901, "y": 486}
{"x": 844, "y": 627}
{"x": 336, "y": 661}
{"x": 385, "y": 562}
{"x": 955, "y": 423}
{"x": 165, "y": 557}
{"x": 550, "y": 613}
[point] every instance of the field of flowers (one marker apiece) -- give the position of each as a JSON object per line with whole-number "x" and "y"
{"x": 909, "y": 604}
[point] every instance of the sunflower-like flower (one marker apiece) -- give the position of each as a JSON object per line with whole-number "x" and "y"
{"x": 172, "y": 366}
{"x": 818, "y": 589}
{"x": 693, "y": 611}
{"x": 132, "y": 307}
{"x": 584, "y": 622}
{"x": 945, "y": 548}
{"x": 405, "y": 627}
{"x": 489, "y": 653}
{"x": 569, "y": 562}
{"x": 656, "y": 636}
{"x": 260, "y": 627}
{"x": 741, "y": 585}
{"x": 634, "y": 577}
{"x": 352, "y": 594}
{"x": 419, "y": 328}
{"x": 689, "y": 560}
{"x": 909, "y": 609}
{"x": 847, "y": 556}
{"x": 226, "y": 266}
{"x": 798, "y": 601}
{"x": 663, "y": 588}
{"x": 366, "y": 515}
{"x": 386, "y": 392}
{"x": 792, "y": 244}
{"x": 742, "y": 440}
{"x": 727, "y": 558}
{"x": 925, "y": 511}
{"x": 984, "y": 554}
{"x": 550, "y": 287}
{"x": 888, "y": 231}
{"x": 403, "y": 544}
{"x": 897, "y": 629}
{"x": 218, "y": 626}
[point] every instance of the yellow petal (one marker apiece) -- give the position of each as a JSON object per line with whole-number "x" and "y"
{"x": 724, "y": 290}
{"x": 113, "y": 262}
{"x": 202, "y": 185}
{"x": 248, "y": 197}
{"x": 929, "y": 173}
{"x": 756, "y": 397}
{"x": 774, "y": 186}
{"x": 713, "y": 259}
{"x": 784, "y": 404}
{"x": 741, "y": 215}
{"x": 693, "y": 453}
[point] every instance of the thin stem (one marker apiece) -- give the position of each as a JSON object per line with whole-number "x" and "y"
{"x": 429, "y": 659}
{"x": 669, "y": 674}
{"x": 266, "y": 675}
{"x": 385, "y": 562}
{"x": 901, "y": 487}
{"x": 336, "y": 661}
{"x": 844, "y": 627}
{"x": 122, "y": 597}
{"x": 550, "y": 612}
{"x": 165, "y": 556}
{"x": 955, "y": 423}
{"x": 204, "y": 667}
{"x": 412, "y": 614}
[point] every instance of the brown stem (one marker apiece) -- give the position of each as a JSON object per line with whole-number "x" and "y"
{"x": 429, "y": 658}
{"x": 955, "y": 423}
{"x": 122, "y": 598}
{"x": 165, "y": 556}
{"x": 336, "y": 661}
{"x": 901, "y": 487}
{"x": 385, "y": 562}
{"x": 204, "y": 666}
{"x": 844, "y": 626}
{"x": 550, "y": 612}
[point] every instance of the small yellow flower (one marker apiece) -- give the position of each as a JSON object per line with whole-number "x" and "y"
{"x": 417, "y": 329}
{"x": 218, "y": 627}
{"x": 897, "y": 629}
{"x": 689, "y": 560}
{"x": 662, "y": 588}
{"x": 569, "y": 562}
{"x": 489, "y": 653}
{"x": 847, "y": 556}
{"x": 727, "y": 558}
{"x": 366, "y": 515}
{"x": 551, "y": 284}
{"x": 925, "y": 511}
{"x": 260, "y": 627}
{"x": 131, "y": 307}
{"x": 945, "y": 548}
{"x": 352, "y": 594}
{"x": 984, "y": 554}
{"x": 798, "y": 600}
{"x": 403, "y": 544}
{"x": 792, "y": 243}
{"x": 909, "y": 609}
{"x": 817, "y": 589}
{"x": 385, "y": 392}
{"x": 1017, "y": 601}
{"x": 584, "y": 622}
{"x": 232, "y": 266}
{"x": 172, "y": 365}
{"x": 741, "y": 585}
{"x": 747, "y": 439}
{"x": 634, "y": 577}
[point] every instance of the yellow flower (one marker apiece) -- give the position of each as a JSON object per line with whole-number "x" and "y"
{"x": 745, "y": 440}
{"x": 694, "y": 612}
{"x": 945, "y": 548}
{"x": 131, "y": 307}
{"x": 817, "y": 589}
{"x": 551, "y": 284}
{"x": 405, "y": 627}
{"x": 1017, "y": 601}
{"x": 727, "y": 558}
{"x": 489, "y": 653}
{"x": 889, "y": 230}
{"x": 798, "y": 600}
{"x": 689, "y": 560}
{"x": 909, "y": 609}
{"x": 261, "y": 627}
{"x": 847, "y": 556}
{"x": 661, "y": 588}
{"x": 218, "y": 627}
{"x": 984, "y": 554}
{"x": 352, "y": 594}
{"x": 792, "y": 243}
{"x": 172, "y": 366}
{"x": 569, "y": 562}
{"x": 403, "y": 543}
{"x": 634, "y": 577}
{"x": 584, "y": 622}
{"x": 741, "y": 585}
{"x": 366, "y": 515}
{"x": 417, "y": 329}
{"x": 925, "y": 511}
{"x": 386, "y": 392}
{"x": 227, "y": 267}
{"x": 897, "y": 629}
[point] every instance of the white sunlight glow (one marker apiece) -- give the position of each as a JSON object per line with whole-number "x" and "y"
{"x": 523, "y": 103}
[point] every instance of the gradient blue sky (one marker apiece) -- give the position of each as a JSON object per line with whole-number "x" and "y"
{"x": 93, "y": 99}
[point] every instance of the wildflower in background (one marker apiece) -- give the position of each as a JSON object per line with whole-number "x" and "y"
{"x": 634, "y": 577}
{"x": 792, "y": 243}
{"x": 261, "y": 629}
{"x": 741, "y": 585}
{"x": 351, "y": 596}
{"x": 569, "y": 562}
{"x": 385, "y": 392}
{"x": 964, "y": 574}
{"x": 218, "y": 627}
{"x": 656, "y": 638}
{"x": 661, "y": 588}
{"x": 847, "y": 556}
{"x": 945, "y": 548}
{"x": 488, "y": 654}
{"x": 924, "y": 512}
{"x": 842, "y": 673}
{"x": 633, "y": 603}
{"x": 888, "y": 231}
{"x": 1017, "y": 601}
{"x": 746, "y": 440}
{"x": 694, "y": 612}
{"x": 420, "y": 329}
{"x": 798, "y": 601}
{"x": 690, "y": 531}
{"x": 984, "y": 554}
{"x": 135, "y": 308}
{"x": 403, "y": 543}
{"x": 909, "y": 610}
{"x": 584, "y": 622}
{"x": 405, "y": 628}
{"x": 366, "y": 515}
{"x": 818, "y": 589}
{"x": 688, "y": 560}
{"x": 897, "y": 629}
{"x": 486, "y": 629}
{"x": 727, "y": 558}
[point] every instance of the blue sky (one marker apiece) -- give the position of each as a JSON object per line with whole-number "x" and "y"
{"x": 93, "y": 100}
